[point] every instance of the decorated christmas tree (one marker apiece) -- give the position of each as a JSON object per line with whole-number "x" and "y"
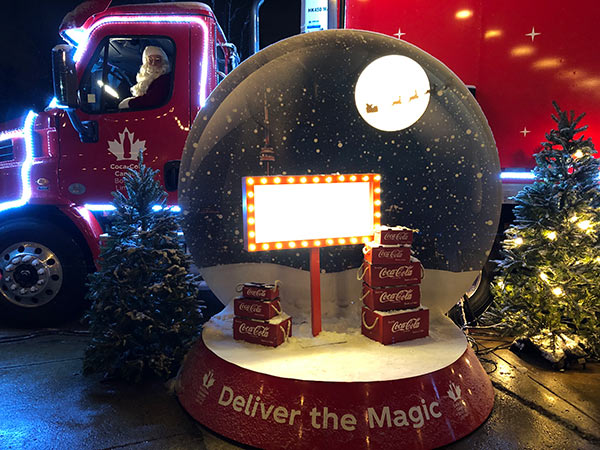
{"x": 548, "y": 285}
{"x": 145, "y": 308}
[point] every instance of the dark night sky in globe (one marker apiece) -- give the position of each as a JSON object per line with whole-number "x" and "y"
{"x": 30, "y": 29}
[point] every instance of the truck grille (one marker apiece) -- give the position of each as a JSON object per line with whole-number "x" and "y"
{"x": 6, "y": 150}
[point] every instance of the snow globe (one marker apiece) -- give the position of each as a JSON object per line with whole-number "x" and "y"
{"x": 325, "y": 107}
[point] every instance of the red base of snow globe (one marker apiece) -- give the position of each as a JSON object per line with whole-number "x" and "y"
{"x": 357, "y": 404}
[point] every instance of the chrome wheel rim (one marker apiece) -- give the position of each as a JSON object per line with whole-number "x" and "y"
{"x": 32, "y": 275}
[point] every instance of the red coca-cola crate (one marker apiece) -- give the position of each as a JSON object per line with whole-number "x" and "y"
{"x": 272, "y": 332}
{"x": 394, "y": 236}
{"x": 260, "y": 291}
{"x": 391, "y": 297}
{"x": 395, "y": 326}
{"x": 251, "y": 308}
{"x": 386, "y": 254}
{"x": 391, "y": 275}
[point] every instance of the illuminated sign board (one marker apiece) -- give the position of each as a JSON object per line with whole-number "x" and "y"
{"x": 310, "y": 211}
{"x": 313, "y": 15}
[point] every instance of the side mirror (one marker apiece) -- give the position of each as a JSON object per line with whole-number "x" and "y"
{"x": 65, "y": 76}
{"x": 171, "y": 175}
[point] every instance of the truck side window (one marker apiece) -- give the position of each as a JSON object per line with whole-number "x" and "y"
{"x": 112, "y": 72}
{"x": 227, "y": 59}
{"x": 221, "y": 64}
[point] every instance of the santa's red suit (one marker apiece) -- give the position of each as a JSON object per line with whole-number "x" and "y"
{"x": 157, "y": 93}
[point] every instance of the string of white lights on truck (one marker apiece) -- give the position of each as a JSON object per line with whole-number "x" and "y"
{"x": 81, "y": 37}
{"x": 27, "y": 134}
{"x": 529, "y": 175}
{"x": 100, "y": 207}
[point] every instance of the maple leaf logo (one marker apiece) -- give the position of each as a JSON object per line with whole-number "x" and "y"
{"x": 127, "y": 147}
{"x": 208, "y": 380}
{"x": 454, "y": 392}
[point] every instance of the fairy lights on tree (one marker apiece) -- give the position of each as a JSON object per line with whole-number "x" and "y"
{"x": 547, "y": 286}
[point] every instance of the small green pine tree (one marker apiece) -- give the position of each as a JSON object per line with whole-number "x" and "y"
{"x": 548, "y": 283}
{"x": 145, "y": 308}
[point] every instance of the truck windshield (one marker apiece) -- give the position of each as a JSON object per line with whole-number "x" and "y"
{"x": 116, "y": 68}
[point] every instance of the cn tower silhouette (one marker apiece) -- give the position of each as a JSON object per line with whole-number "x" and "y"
{"x": 267, "y": 154}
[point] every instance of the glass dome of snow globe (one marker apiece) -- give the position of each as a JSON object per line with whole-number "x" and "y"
{"x": 343, "y": 101}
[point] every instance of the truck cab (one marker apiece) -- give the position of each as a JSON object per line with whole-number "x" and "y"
{"x": 58, "y": 167}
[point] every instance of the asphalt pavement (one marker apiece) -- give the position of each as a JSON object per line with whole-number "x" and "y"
{"x": 47, "y": 403}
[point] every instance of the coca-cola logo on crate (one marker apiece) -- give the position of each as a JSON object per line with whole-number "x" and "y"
{"x": 256, "y": 330}
{"x": 398, "y": 296}
{"x": 399, "y": 236}
{"x": 411, "y": 324}
{"x": 398, "y": 272}
{"x": 255, "y": 292}
{"x": 253, "y": 308}
{"x": 391, "y": 253}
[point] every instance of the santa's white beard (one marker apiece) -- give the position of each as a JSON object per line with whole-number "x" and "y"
{"x": 145, "y": 77}
{"x": 155, "y": 70}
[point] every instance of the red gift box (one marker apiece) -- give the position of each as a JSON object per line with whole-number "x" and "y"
{"x": 391, "y": 275}
{"x": 386, "y": 254}
{"x": 394, "y": 236}
{"x": 256, "y": 309}
{"x": 395, "y": 326}
{"x": 260, "y": 291}
{"x": 391, "y": 297}
{"x": 272, "y": 332}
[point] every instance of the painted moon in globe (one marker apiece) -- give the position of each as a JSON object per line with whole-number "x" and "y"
{"x": 392, "y": 93}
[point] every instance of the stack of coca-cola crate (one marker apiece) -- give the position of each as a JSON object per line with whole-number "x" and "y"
{"x": 391, "y": 294}
{"x": 258, "y": 315}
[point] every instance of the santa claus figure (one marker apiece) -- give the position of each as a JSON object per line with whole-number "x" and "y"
{"x": 153, "y": 80}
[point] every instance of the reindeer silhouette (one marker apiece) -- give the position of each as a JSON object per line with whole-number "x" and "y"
{"x": 413, "y": 97}
{"x": 398, "y": 102}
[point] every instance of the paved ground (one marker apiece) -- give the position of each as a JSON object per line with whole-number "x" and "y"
{"x": 48, "y": 403}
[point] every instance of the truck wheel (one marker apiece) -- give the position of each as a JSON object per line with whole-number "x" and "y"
{"x": 476, "y": 300}
{"x": 43, "y": 274}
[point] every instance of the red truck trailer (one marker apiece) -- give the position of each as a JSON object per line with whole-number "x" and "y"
{"x": 516, "y": 57}
{"x": 59, "y": 166}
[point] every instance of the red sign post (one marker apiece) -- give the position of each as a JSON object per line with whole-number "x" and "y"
{"x": 315, "y": 291}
